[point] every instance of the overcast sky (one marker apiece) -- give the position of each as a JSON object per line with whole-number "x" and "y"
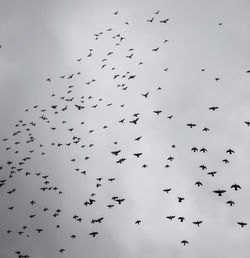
{"x": 43, "y": 39}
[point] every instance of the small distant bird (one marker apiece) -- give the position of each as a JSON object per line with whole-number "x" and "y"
{"x": 191, "y": 125}
{"x": 212, "y": 173}
{"x": 219, "y": 192}
{"x": 94, "y": 233}
{"x": 170, "y": 217}
{"x": 230, "y": 151}
{"x": 198, "y": 222}
{"x": 242, "y": 224}
{"x": 157, "y": 112}
{"x": 236, "y": 187}
{"x": 213, "y": 108}
{"x": 151, "y": 20}
{"x": 180, "y": 199}
{"x": 181, "y": 219}
{"x": 198, "y": 183}
{"x": 145, "y": 95}
{"x": 155, "y": 49}
{"x": 164, "y": 21}
{"x": 184, "y": 242}
{"x": 231, "y": 203}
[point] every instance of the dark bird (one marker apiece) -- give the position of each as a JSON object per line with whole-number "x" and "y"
{"x": 181, "y": 219}
{"x": 120, "y": 161}
{"x": 180, "y": 199}
{"x": 145, "y": 94}
{"x": 134, "y": 121}
{"x": 205, "y": 129}
{"x": 116, "y": 152}
{"x": 191, "y": 125}
{"x": 151, "y": 20}
{"x": 167, "y": 190}
{"x": 137, "y": 154}
{"x": 164, "y": 21}
{"x": 138, "y": 138}
{"x": 120, "y": 200}
{"x": 137, "y": 222}
{"x": 231, "y": 203}
{"x": 213, "y": 108}
{"x": 230, "y": 151}
{"x": 130, "y": 56}
{"x": 212, "y": 173}
{"x": 226, "y": 161}
{"x": 203, "y": 167}
{"x": 157, "y": 112}
{"x": 236, "y": 187}
{"x": 198, "y": 222}
{"x": 170, "y": 217}
{"x": 198, "y": 183}
{"x": 242, "y": 224}
{"x": 131, "y": 77}
{"x": 94, "y": 233}
{"x": 184, "y": 242}
{"x": 155, "y": 49}
{"x": 219, "y": 192}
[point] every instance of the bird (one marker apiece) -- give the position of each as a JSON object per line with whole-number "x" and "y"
{"x": 198, "y": 183}
{"x": 94, "y": 233}
{"x": 164, "y": 21}
{"x": 181, "y": 219}
{"x": 120, "y": 161}
{"x": 180, "y": 199}
{"x": 213, "y": 108}
{"x": 230, "y": 151}
{"x": 157, "y": 112}
{"x": 137, "y": 222}
{"x": 170, "y": 217}
{"x": 137, "y": 154}
{"x": 231, "y": 203}
{"x": 191, "y": 125}
{"x": 236, "y": 187}
{"x": 116, "y": 152}
{"x": 242, "y": 224}
{"x": 212, "y": 173}
{"x": 184, "y": 242}
{"x": 198, "y": 222}
{"x": 151, "y": 20}
{"x": 145, "y": 94}
{"x": 219, "y": 192}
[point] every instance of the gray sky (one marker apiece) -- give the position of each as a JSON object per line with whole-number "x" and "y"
{"x": 43, "y": 39}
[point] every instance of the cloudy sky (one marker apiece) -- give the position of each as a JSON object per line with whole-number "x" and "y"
{"x": 201, "y": 41}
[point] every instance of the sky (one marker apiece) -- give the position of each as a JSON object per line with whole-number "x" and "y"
{"x": 44, "y": 39}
